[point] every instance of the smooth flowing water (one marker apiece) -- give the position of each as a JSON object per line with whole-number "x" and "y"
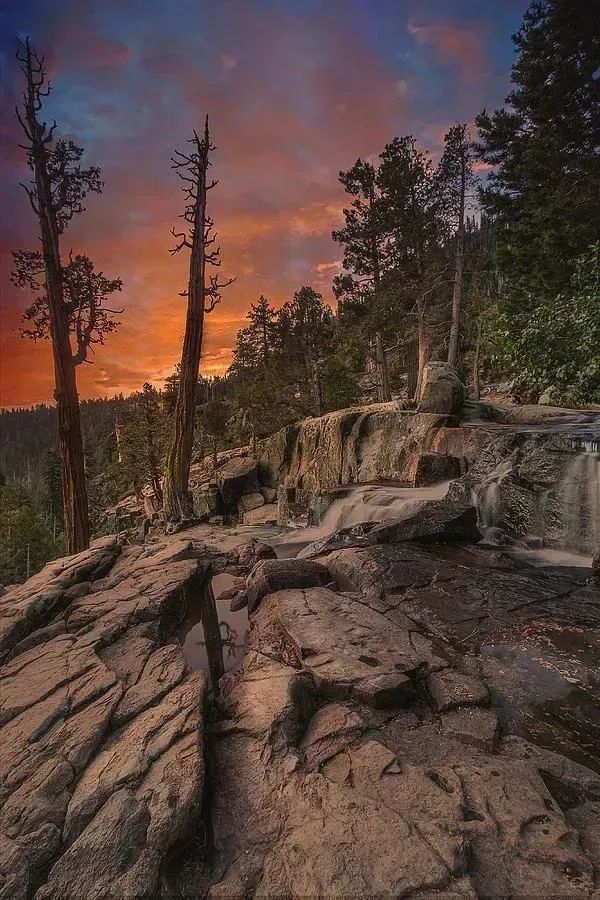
{"x": 577, "y": 507}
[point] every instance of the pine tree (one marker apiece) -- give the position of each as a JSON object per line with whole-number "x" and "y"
{"x": 413, "y": 207}
{"x": 455, "y": 173}
{"x": 261, "y": 331}
{"x": 69, "y": 305}
{"x": 544, "y": 190}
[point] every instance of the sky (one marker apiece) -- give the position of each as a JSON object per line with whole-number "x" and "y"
{"x": 295, "y": 90}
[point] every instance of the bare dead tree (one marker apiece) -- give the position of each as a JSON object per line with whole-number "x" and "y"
{"x": 198, "y": 236}
{"x": 56, "y": 193}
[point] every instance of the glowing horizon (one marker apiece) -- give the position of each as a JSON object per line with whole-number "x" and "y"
{"x": 296, "y": 90}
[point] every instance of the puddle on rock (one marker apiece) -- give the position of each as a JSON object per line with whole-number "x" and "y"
{"x": 214, "y": 638}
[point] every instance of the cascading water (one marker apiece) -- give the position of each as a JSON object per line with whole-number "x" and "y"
{"x": 580, "y": 500}
{"x": 486, "y": 498}
{"x": 375, "y": 502}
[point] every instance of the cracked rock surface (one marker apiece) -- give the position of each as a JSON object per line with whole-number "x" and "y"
{"x": 412, "y": 720}
{"x": 363, "y": 750}
{"x": 101, "y": 737}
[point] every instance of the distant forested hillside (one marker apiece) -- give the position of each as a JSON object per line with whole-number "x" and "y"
{"x": 26, "y": 435}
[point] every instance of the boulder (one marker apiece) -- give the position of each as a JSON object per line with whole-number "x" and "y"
{"x": 269, "y": 493}
{"x": 250, "y": 501}
{"x": 252, "y": 552}
{"x": 442, "y": 390}
{"x": 237, "y": 477}
{"x": 206, "y": 500}
{"x": 450, "y": 689}
{"x": 444, "y": 521}
{"x": 264, "y": 515}
{"x": 431, "y": 468}
{"x": 280, "y": 574}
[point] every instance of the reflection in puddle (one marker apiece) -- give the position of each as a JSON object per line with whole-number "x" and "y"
{"x": 214, "y": 638}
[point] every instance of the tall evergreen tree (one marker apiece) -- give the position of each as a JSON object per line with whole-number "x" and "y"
{"x": 456, "y": 180}
{"x": 544, "y": 190}
{"x": 261, "y": 330}
{"x": 413, "y": 203}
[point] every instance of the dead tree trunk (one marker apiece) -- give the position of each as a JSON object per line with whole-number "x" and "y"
{"x": 45, "y": 204}
{"x": 458, "y": 269}
{"x": 192, "y": 169}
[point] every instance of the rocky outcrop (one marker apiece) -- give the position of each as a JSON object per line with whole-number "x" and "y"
{"x": 442, "y": 391}
{"x": 437, "y": 521}
{"x": 363, "y": 748}
{"x": 351, "y": 445}
{"x": 101, "y": 724}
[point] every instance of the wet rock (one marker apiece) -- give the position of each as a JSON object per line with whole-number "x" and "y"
{"x": 430, "y": 521}
{"x": 254, "y": 551}
{"x": 273, "y": 575}
{"x": 450, "y": 689}
{"x": 442, "y": 390}
{"x": 265, "y": 515}
{"x": 431, "y": 468}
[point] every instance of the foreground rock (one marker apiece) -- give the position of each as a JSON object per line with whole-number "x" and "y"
{"x": 277, "y": 574}
{"x": 101, "y": 756}
{"x": 363, "y": 749}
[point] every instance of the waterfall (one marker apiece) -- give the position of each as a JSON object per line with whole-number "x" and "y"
{"x": 486, "y": 498}
{"x": 580, "y": 499}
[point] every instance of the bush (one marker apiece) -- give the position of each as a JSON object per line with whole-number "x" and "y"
{"x": 555, "y": 347}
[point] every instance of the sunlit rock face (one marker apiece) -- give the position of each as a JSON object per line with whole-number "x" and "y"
{"x": 351, "y": 445}
{"x": 101, "y": 768}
